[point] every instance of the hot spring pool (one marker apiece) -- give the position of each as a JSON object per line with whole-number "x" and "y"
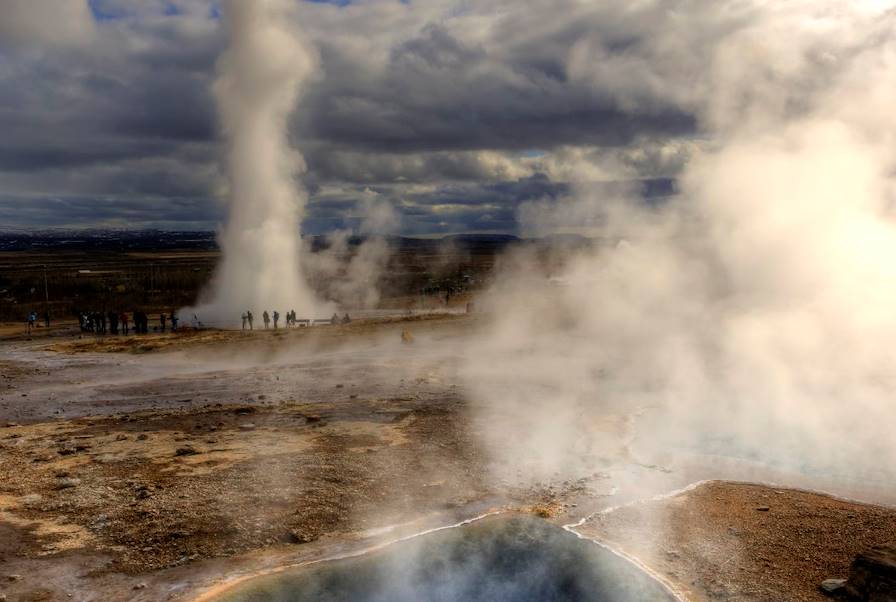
{"x": 499, "y": 559}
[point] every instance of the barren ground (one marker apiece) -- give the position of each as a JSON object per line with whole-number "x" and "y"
{"x": 151, "y": 468}
{"x": 738, "y": 541}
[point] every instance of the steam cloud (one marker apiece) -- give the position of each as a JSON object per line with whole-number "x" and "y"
{"x": 259, "y": 82}
{"x": 350, "y": 276}
{"x": 755, "y": 313}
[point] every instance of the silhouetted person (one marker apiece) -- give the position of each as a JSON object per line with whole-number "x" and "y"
{"x": 173, "y": 321}
{"x": 29, "y": 320}
{"x": 276, "y": 318}
{"x": 249, "y": 317}
{"x": 113, "y": 322}
{"x": 265, "y": 318}
{"x": 47, "y": 318}
{"x": 123, "y": 318}
{"x": 334, "y": 320}
{"x": 102, "y": 317}
{"x": 245, "y": 318}
{"x": 346, "y": 319}
{"x": 163, "y": 320}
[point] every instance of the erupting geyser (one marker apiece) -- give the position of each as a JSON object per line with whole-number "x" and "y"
{"x": 258, "y": 84}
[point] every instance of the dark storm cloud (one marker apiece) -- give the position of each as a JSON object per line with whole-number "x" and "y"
{"x": 437, "y": 93}
{"x": 442, "y": 108}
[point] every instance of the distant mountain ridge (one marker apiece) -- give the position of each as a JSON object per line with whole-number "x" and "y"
{"x": 134, "y": 240}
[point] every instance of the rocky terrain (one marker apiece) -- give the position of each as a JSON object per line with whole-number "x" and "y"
{"x": 165, "y": 466}
{"x": 739, "y": 541}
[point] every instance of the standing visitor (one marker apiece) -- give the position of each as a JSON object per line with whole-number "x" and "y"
{"x": 123, "y": 318}
{"x": 276, "y": 318}
{"x": 249, "y": 316}
{"x": 266, "y": 319}
{"x": 163, "y": 319}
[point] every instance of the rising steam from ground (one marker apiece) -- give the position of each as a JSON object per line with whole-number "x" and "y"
{"x": 755, "y": 313}
{"x": 259, "y": 81}
{"x": 347, "y": 274}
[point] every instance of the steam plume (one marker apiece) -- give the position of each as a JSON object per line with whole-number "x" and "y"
{"x": 754, "y": 315}
{"x": 259, "y": 81}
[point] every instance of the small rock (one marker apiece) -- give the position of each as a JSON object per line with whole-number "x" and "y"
{"x": 140, "y": 586}
{"x": 142, "y": 437}
{"x": 833, "y": 586}
{"x": 186, "y": 450}
{"x": 14, "y": 577}
{"x": 67, "y": 483}
{"x": 297, "y": 537}
{"x": 247, "y": 427}
{"x": 763, "y": 508}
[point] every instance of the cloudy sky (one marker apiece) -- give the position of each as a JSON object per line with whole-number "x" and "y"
{"x": 456, "y": 112}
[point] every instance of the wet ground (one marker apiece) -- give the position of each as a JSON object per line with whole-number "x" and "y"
{"x": 157, "y": 467}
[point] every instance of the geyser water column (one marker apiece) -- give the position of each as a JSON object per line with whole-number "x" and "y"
{"x": 258, "y": 85}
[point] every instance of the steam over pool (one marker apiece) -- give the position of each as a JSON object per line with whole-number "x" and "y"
{"x": 516, "y": 559}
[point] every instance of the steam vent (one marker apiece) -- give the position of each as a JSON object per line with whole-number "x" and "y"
{"x": 517, "y": 559}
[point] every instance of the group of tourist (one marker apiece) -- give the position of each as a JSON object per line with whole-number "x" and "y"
{"x": 113, "y": 322}
{"x": 248, "y": 319}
